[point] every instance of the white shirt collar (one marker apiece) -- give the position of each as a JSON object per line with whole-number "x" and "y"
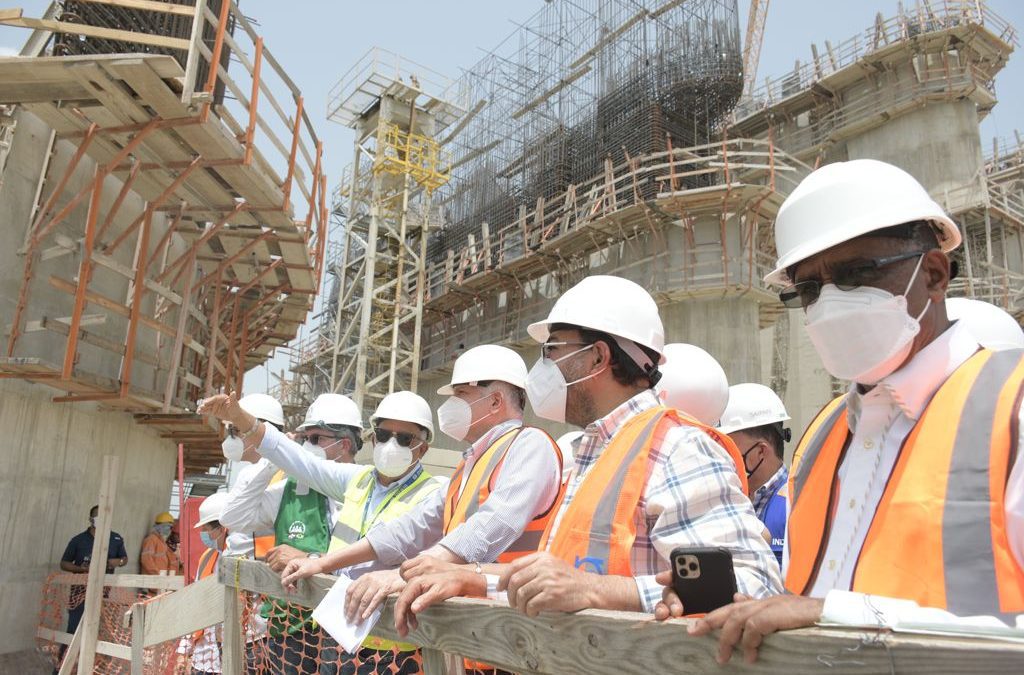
{"x": 911, "y": 387}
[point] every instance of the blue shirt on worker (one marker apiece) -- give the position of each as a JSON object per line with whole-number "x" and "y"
{"x": 770, "y": 506}
{"x": 79, "y": 549}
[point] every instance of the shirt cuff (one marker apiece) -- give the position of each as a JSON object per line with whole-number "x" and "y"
{"x": 650, "y": 592}
{"x": 271, "y": 439}
{"x": 859, "y": 609}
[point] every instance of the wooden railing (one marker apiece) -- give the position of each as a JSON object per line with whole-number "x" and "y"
{"x": 591, "y": 641}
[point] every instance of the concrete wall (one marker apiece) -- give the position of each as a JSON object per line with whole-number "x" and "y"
{"x": 52, "y": 456}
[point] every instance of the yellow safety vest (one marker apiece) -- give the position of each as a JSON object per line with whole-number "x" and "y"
{"x": 355, "y": 520}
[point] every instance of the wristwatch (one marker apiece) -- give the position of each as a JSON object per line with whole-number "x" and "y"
{"x": 245, "y": 434}
{"x": 313, "y": 556}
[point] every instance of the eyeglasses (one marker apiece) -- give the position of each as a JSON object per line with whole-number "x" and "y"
{"x": 545, "y": 349}
{"x": 868, "y": 272}
{"x": 316, "y": 438}
{"x": 404, "y": 438}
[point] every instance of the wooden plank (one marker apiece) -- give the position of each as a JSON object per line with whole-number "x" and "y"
{"x": 71, "y": 653}
{"x": 138, "y": 652}
{"x": 148, "y": 5}
{"x": 102, "y": 647}
{"x": 593, "y": 641}
{"x": 97, "y": 568}
{"x": 152, "y": 581}
{"x": 194, "y": 607}
{"x": 234, "y": 636}
{"x": 95, "y": 31}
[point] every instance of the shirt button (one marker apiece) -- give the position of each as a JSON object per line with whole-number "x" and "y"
{"x": 868, "y": 444}
{"x": 831, "y": 565}
{"x": 853, "y": 503}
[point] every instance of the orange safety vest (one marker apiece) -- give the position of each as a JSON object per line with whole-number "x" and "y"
{"x": 460, "y": 505}
{"x": 598, "y": 529}
{"x": 939, "y": 534}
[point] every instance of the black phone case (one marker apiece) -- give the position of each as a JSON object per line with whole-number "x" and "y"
{"x": 716, "y": 585}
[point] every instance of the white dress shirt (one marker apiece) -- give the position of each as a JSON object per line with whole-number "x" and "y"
{"x": 879, "y": 421}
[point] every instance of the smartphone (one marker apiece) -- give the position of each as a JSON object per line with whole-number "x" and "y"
{"x": 703, "y": 578}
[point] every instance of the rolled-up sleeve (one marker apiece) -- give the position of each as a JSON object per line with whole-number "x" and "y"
{"x": 526, "y": 487}
{"x": 395, "y": 541}
{"x": 326, "y": 477}
{"x": 695, "y": 499}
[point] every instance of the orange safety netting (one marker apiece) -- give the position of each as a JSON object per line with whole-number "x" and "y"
{"x": 62, "y": 606}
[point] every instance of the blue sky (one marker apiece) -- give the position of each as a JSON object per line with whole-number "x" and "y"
{"x": 316, "y": 41}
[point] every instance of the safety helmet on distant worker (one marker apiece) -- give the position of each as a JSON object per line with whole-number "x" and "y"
{"x": 694, "y": 382}
{"x": 211, "y": 508}
{"x": 993, "y": 327}
{"x": 329, "y": 410}
{"x": 751, "y": 405}
{"x": 264, "y": 407}
{"x": 164, "y": 518}
{"x": 845, "y": 200}
{"x": 485, "y": 363}
{"x": 405, "y": 406}
{"x": 612, "y": 305}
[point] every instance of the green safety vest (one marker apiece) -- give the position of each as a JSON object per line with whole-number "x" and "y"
{"x": 302, "y": 523}
{"x": 355, "y": 520}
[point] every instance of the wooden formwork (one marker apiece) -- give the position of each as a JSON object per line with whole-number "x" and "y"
{"x": 223, "y": 271}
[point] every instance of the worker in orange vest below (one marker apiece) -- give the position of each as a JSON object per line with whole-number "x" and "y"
{"x": 203, "y": 646}
{"x": 156, "y": 556}
{"x": 910, "y": 485}
{"x": 646, "y": 479}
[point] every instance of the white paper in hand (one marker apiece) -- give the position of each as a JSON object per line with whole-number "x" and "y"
{"x": 330, "y": 614}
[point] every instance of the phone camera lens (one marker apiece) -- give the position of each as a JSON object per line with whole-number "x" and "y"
{"x": 692, "y": 567}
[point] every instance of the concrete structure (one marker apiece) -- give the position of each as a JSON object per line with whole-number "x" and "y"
{"x": 693, "y": 225}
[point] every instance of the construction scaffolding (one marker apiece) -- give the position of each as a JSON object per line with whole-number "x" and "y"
{"x": 163, "y": 257}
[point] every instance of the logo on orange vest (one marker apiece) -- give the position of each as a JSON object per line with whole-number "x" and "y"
{"x": 596, "y": 565}
{"x": 297, "y": 530}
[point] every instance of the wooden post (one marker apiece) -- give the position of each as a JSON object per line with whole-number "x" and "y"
{"x": 434, "y": 662}
{"x": 233, "y": 636}
{"x": 138, "y": 638}
{"x": 71, "y": 653}
{"x": 90, "y": 627}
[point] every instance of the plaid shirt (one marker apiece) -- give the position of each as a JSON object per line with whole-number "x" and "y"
{"x": 693, "y": 498}
{"x": 763, "y": 495}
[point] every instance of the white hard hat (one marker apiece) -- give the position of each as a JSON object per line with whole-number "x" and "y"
{"x": 565, "y": 442}
{"x": 845, "y": 200}
{"x": 334, "y": 409}
{"x": 211, "y": 508}
{"x": 751, "y": 405}
{"x": 991, "y": 326}
{"x": 487, "y": 362}
{"x": 263, "y": 407}
{"x": 612, "y": 305}
{"x": 406, "y": 406}
{"x": 694, "y": 382}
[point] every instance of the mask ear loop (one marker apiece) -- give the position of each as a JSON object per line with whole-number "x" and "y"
{"x": 910, "y": 283}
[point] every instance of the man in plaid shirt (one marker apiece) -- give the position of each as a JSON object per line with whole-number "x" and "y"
{"x": 600, "y": 348}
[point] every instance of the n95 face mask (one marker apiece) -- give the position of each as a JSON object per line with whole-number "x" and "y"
{"x": 392, "y": 459}
{"x": 232, "y": 447}
{"x": 864, "y": 334}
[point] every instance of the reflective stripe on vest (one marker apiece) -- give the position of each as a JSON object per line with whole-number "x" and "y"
{"x": 207, "y": 563}
{"x": 938, "y": 536}
{"x": 351, "y": 526}
{"x": 597, "y": 531}
{"x": 460, "y": 505}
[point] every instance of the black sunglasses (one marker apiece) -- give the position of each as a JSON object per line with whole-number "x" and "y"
{"x": 315, "y": 438}
{"x": 403, "y": 437}
{"x": 803, "y": 294}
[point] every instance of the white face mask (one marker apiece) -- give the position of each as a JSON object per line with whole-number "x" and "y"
{"x": 232, "y": 447}
{"x": 455, "y": 417}
{"x": 314, "y": 450}
{"x": 547, "y": 389}
{"x": 392, "y": 459}
{"x": 865, "y": 334}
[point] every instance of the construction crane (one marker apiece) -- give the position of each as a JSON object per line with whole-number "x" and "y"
{"x": 752, "y": 45}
